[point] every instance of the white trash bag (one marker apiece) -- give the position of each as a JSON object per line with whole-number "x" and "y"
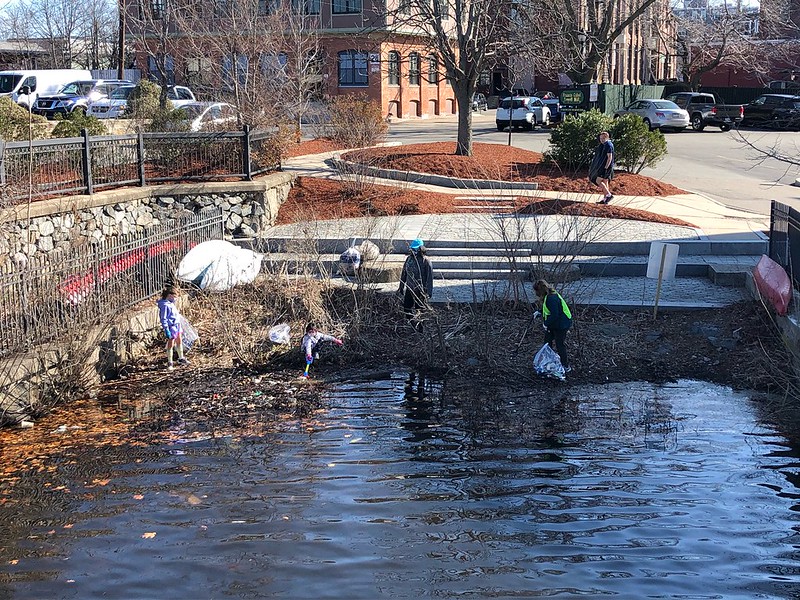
{"x": 279, "y": 334}
{"x": 218, "y": 265}
{"x": 548, "y": 364}
{"x": 349, "y": 261}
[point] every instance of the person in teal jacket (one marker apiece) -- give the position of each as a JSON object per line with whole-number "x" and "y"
{"x": 557, "y": 319}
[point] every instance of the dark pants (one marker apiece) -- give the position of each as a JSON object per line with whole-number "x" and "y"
{"x": 560, "y": 336}
{"x": 412, "y": 301}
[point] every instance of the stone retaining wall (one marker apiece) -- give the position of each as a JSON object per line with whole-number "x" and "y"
{"x": 249, "y": 207}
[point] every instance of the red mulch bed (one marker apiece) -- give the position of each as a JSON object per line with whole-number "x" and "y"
{"x": 315, "y": 146}
{"x": 496, "y": 161}
{"x": 326, "y": 199}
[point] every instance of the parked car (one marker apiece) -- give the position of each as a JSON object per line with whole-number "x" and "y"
{"x": 479, "y": 102}
{"x": 787, "y": 115}
{"x": 76, "y": 96}
{"x": 706, "y": 109}
{"x": 551, "y": 101}
{"x": 112, "y": 107}
{"x": 116, "y": 104}
{"x": 521, "y": 111}
{"x": 658, "y": 114}
{"x": 180, "y": 95}
{"x": 25, "y": 87}
{"x": 759, "y": 111}
{"x": 205, "y": 116}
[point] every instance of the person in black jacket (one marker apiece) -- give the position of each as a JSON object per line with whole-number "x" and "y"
{"x": 416, "y": 280}
{"x": 557, "y": 319}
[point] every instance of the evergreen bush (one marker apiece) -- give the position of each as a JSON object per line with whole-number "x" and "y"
{"x": 635, "y": 146}
{"x": 75, "y": 122}
{"x": 573, "y": 142}
{"x": 16, "y": 123}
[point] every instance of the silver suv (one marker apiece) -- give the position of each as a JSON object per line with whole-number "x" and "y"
{"x": 76, "y": 96}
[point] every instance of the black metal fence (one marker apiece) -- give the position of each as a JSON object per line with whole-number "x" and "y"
{"x": 52, "y": 296}
{"x": 784, "y": 237}
{"x": 58, "y": 167}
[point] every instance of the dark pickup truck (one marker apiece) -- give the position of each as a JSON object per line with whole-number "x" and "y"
{"x": 705, "y": 109}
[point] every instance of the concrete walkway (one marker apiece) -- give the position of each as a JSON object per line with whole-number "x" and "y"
{"x": 714, "y": 223}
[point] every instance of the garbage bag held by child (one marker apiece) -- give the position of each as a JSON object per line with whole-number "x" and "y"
{"x": 349, "y": 261}
{"x": 188, "y": 334}
{"x": 547, "y": 363}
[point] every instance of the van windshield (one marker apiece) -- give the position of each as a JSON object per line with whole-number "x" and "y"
{"x": 8, "y": 83}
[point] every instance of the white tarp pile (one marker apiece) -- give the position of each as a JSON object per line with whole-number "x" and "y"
{"x": 218, "y": 265}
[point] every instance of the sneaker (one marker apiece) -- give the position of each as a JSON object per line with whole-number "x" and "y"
{"x": 183, "y": 361}
{"x": 170, "y": 366}
{"x": 608, "y": 198}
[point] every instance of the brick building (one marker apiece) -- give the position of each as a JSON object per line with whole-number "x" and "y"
{"x": 360, "y": 54}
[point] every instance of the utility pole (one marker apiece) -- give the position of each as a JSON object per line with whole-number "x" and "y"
{"x": 121, "y": 41}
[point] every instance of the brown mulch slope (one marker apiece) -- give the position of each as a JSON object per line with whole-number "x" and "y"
{"x": 315, "y": 146}
{"x": 325, "y": 199}
{"x": 496, "y": 161}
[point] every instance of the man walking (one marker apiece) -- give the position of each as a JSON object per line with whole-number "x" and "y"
{"x": 602, "y": 169}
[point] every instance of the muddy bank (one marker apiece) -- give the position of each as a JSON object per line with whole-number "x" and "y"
{"x": 489, "y": 346}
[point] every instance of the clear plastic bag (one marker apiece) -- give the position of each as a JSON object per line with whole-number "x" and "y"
{"x": 279, "y": 334}
{"x": 188, "y": 334}
{"x": 548, "y": 364}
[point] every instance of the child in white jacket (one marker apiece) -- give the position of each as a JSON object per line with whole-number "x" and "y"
{"x": 311, "y": 340}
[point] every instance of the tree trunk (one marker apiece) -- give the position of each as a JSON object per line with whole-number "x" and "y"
{"x": 464, "y": 94}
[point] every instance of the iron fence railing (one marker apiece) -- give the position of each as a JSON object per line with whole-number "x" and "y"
{"x": 61, "y": 295}
{"x": 48, "y": 168}
{"x": 784, "y": 237}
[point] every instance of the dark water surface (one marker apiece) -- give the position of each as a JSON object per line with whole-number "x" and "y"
{"x": 623, "y": 491}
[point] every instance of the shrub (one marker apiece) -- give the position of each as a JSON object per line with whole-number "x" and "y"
{"x": 75, "y": 122}
{"x": 635, "y": 146}
{"x": 15, "y": 122}
{"x": 356, "y": 121}
{"x": 168, "y": 119}
{"x": 572, "y": 144}
{"x": 144, "y": 100}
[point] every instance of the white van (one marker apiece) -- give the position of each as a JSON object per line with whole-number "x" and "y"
{"x": 40, "y": 83}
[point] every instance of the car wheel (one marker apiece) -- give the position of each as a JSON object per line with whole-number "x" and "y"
{"x": 726, "y": 127}
{"x": 647, "y": 122}
{"x": 500, "y": 127}
{"x": 697, "y": 123}
{"x": 530, "y": 126}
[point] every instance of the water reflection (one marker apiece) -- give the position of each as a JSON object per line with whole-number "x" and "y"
{"x": 407, "y": 487}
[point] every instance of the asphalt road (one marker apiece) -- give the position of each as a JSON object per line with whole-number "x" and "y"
{"x": 717, "y": 164}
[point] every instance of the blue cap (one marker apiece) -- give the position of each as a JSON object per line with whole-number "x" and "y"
{"x": 416, "y": 244}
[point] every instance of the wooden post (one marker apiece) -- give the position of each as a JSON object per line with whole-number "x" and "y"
{"x": 2, "y": 161}
{"x": 87, "y": 163}
{"x": 660, "y": 276}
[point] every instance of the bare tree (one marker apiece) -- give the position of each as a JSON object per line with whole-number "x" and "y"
{"x": 467, "y": 35}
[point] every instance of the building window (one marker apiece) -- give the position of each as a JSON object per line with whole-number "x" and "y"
{"x": 268, "y": 7}
{"x": 306, "y": 7}
{"x": 353, "y": 68}
{"x": 413, "y": 68}
{"x": 433, "y": 70}
{"x": 394, "y": 68}
{"x": 404, "y": 7}
{"x": 157, "y": 7}
{"x": 346, "y": 6}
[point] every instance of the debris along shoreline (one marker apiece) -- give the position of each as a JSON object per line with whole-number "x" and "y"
{"x": 239, "y": 379}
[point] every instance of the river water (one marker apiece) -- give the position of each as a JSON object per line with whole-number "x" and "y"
{"x": 404, "y": 489}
